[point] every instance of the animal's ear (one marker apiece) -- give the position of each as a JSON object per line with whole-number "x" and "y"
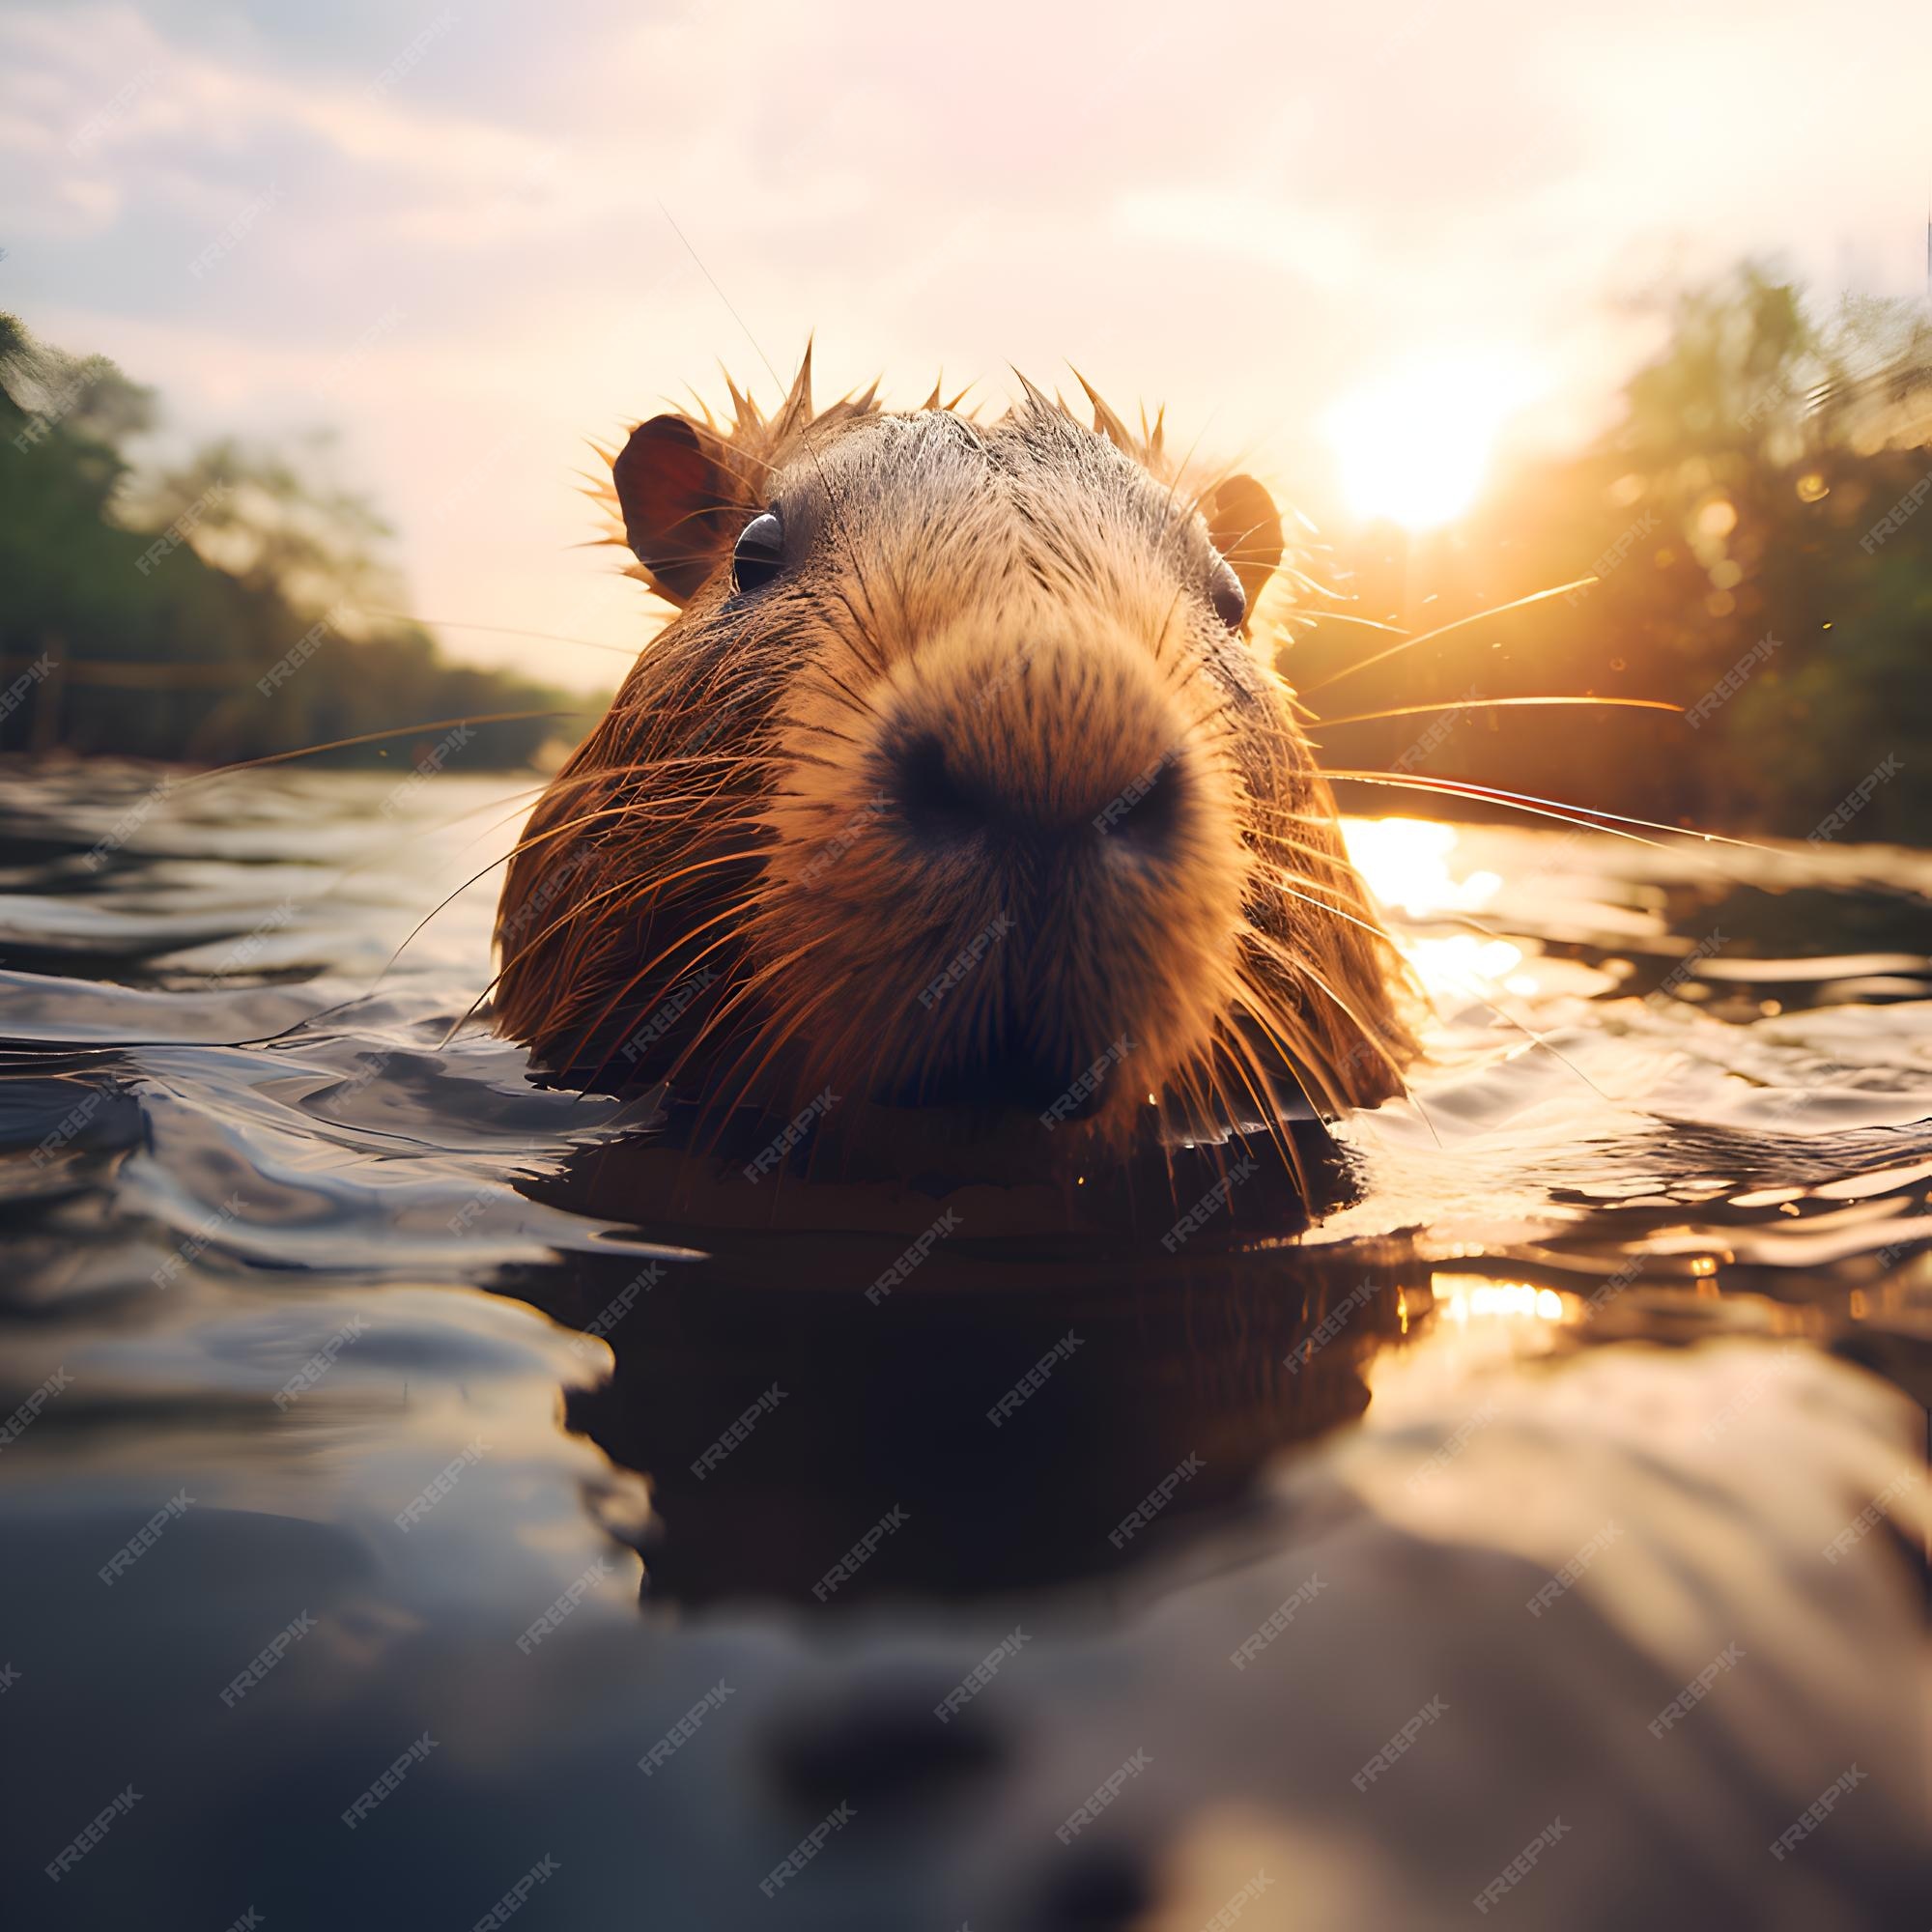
{"x": 1247, "y": 528}
{"x": 680, "y": 516}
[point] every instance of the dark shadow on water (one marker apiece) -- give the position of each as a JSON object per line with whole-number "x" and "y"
{"x": 831, "y": 1414}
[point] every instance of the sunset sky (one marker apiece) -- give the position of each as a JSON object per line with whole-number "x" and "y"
{"x": 448, "y": 231}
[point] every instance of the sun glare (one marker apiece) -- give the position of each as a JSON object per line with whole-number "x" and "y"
{"x": 1405, "y": 864}
{"x": 1414, "y": 445}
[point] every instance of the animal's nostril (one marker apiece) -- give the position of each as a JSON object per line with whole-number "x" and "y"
{"x": 1149, "y": 813}
{"x": 943, "y": 801}
{"x": 937, "y": 802}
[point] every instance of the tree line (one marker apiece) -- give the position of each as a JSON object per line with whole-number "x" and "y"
{"x": 220, "y": 608}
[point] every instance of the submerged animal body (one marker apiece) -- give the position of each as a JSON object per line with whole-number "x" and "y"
{"x": 959, "y": 779}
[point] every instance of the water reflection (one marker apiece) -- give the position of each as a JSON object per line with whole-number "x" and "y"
{"x": 1015, "y": 1401}
{"x": 1405, "y": 865}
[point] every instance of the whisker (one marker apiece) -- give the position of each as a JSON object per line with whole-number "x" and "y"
{"x": 1496, "y": 705}
{"x": 376, "y": 737}
{"x": 748, "y": 988}
{"x": 575, "y": 911}
{"x": 1557, "y": 809}
{"x": 1444, "y": 630}
{"x": 498, "y": 631}
{"x": 1371, "y": 1036}
{"x": 637, "y": 979}
{"x": 1246, "y": 1064}
{"x": 790, "y": 1023}
{"x": 1346, "y": 616}
{"x": 1300, "y": 1059}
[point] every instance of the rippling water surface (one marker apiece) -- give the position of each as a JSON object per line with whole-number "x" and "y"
{"x": 435, "y": 1496}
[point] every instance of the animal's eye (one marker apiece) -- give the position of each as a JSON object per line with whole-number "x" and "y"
{"x": 759, "y": 553}
{"x": 1225, "y": 593}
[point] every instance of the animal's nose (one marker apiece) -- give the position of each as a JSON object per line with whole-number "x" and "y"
{"x": 1067, "y": 748}
{"x": 947, "y": 797}
{"x": 1015, "y": 863}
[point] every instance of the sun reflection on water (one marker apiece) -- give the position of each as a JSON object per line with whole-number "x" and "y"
{"x": 1405, "y": 864}
{"x": 1471, "y": 1298}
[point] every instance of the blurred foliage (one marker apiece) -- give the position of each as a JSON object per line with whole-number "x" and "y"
{"x": 142, "y": 613}
{"x": 1760, "y": 523}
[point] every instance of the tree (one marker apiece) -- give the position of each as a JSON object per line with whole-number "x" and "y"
{"x": 194, "y": 613}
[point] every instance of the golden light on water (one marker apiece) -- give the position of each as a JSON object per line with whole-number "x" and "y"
{"x": 1414, "y": 445}
{"x": 1463, "y": 962}
{"x": 1405, "y": 864}
{"x": 1474, "y": 1297}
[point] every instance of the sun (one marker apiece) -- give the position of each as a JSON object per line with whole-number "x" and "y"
{"x": 1414, "y": 445}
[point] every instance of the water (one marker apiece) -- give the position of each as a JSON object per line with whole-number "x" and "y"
{"x": 431, "y": 1495}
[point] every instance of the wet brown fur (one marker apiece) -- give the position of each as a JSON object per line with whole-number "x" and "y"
{"x": 722, "y": 885}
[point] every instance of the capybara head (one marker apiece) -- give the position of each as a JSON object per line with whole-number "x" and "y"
{"x": 959, "y": 779}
